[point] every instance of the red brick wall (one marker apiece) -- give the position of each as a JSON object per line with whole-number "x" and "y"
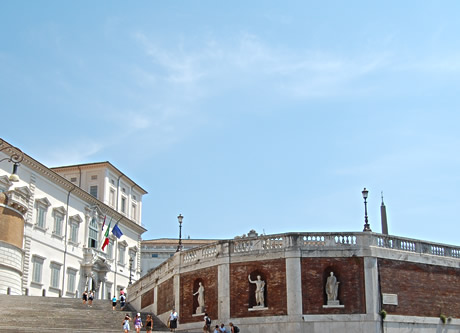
{"x": 423, "y": 290}
{"x": 189, "y": 285}
{"x": 273, "y": 272}
{"x": 147, "y": 298}
{"x": 348, "y": 271}
{"x": 166, "y": 296}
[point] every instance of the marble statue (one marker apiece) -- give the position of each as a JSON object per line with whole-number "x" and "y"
{"x": 260, "y": 288}
{"x": 200, "y": 293}
{"x": 332, "y": 287}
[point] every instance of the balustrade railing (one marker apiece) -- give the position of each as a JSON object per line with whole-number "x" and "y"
{"x": 306, "y": 241}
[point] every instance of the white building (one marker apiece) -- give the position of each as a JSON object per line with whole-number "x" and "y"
{"x": 63, "y": 211}
{"x": 156, "y": 251}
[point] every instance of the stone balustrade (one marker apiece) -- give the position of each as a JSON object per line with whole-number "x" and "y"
{"x": 266, "y": 244}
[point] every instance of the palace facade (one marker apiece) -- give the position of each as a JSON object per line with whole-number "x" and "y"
{"x": 51, "y": 222}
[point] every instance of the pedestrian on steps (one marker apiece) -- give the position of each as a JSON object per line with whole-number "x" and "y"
{"x": 138, "y": 323}
{"x": 125, "y": 323}
{"x": 114, "y": 302}
{"x": 122, "y": 301}
{"x": 84, "y": 296}
{"x": 91, "y": 297}
{"x": 149, "y": 323}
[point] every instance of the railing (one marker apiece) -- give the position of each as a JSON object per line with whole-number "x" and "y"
{"x": 317, "y": 241}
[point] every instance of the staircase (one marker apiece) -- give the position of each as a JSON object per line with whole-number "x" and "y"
{"x": 53, "y": 314}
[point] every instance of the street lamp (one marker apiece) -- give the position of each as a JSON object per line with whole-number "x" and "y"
{"x": 367, "y": 227}
{"x": 16, "y": 158}
{"x": 130, "y": 269}
{"x": 179, "y": 247}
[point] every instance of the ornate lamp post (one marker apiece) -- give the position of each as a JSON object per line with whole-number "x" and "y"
{"x": 367, "y": 227}
{"x": 179, "y": 247}
{"x": 130, "y": 270}
{"x": 16, "y": 158}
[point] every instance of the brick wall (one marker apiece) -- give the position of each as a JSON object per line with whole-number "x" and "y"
{"x": 166, "y": 296}
{"x": 273, "y": 272}
{"x": 349, "y": 273}
{"x": 423, "y": 290}
{"x": 189, "y": 286}
{"x": 147, "y": 298}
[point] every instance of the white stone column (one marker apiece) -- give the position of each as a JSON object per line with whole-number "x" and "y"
{"x": 371, "y": 285}
{"x": 294, "y": 285}
{"x": 223, "y": 286}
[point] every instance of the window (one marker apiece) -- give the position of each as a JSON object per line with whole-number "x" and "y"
{"x": 58, "y": 218}
{"x": 121, "y": 254}
{"x": 42, "y": 211}
{"x": 123, "y": 205}
{"x": 93, "y": 190}
{"x": 93, "y": 231}
{"x": 74, "y": 223}
{"x": 110, "y": 249}
{"x": 112, "y": 198}
{"x": 154, "y": 255}
{"x": 74, "y": 233}
{"x": 71, "y": 278}
{"x": 134, "y": 212}
{"x": 73, "y": 179}
{"x": 55, "y": 273}
{"x": 94, "y": 177}
{"x": 37, "y": 268}
{"x": 41, "y": 216}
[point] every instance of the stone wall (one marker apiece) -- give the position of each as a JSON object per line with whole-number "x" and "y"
{"x": 350, "y": 275}
{"x": 422, "y": 289}
{"x": 295, "y": 267}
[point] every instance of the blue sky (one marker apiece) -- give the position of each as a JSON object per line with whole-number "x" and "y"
{"x": 243, "y": 115}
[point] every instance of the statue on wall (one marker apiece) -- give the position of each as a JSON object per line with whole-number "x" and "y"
{"x": 260, "y": 288}
{"x": 332, "y": 287}
{"x": 200, "y": 293}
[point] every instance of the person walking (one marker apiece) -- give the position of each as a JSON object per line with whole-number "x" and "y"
{"x": 233, "y": 328}
{"x": 149, "y": 323}
{"x": 84, "y": 296}
{"x": 207, "y": 324}
{"x": 125, "y": 323}
{"x": 173, "y": 320}
{"x": 122, "y": 301}
{"x": 91, "y": 297}
{"x": 114, "y": 302}
{"x": 137, "y": 323}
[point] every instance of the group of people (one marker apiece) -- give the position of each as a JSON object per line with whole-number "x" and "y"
{"x": 88, "y": 297}
{"x": 218, "y": 329}
{"x": 122, "y": 300}
{"x": 137, "y": 323}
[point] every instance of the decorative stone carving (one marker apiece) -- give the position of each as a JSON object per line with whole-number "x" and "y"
{"x": 200, "y": 293}
{"x": 260, "y": 289}
{"x": 332, "y": 288}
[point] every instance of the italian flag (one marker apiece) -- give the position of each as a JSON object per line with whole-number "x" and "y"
{"x": 106, "y": 241}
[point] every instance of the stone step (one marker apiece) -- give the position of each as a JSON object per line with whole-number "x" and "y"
{"x": 53, "y": 314}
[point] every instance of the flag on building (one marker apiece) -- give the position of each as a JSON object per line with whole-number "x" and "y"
{"x": 106, "y": 241}
{"x": 116, "y": 231}
{"x": 103, "y": 223}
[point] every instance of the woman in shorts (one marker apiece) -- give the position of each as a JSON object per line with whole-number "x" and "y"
{"x": 149, "y": 323}
{"x": 138, "y": 323}
{"x": 125, "y": 323}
